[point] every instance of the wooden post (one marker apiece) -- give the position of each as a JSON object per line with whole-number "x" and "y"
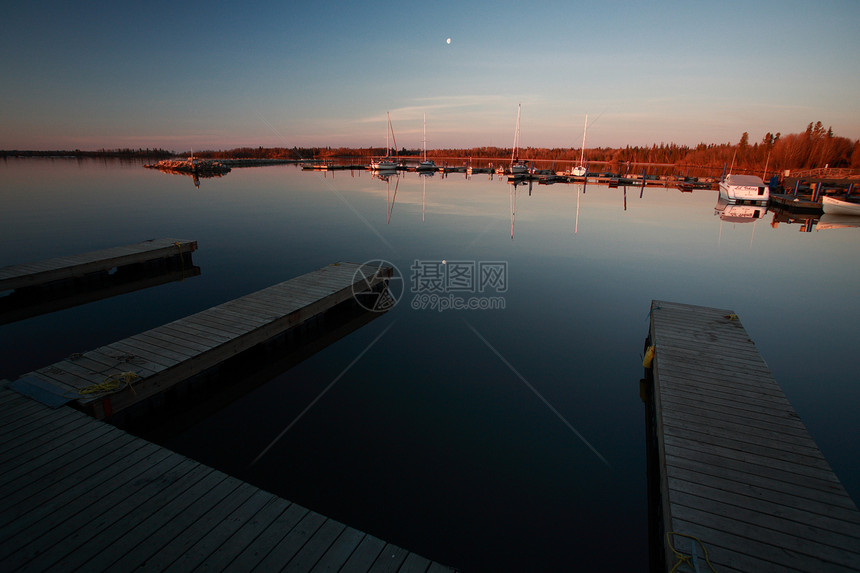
{"x": 816, "y": 192}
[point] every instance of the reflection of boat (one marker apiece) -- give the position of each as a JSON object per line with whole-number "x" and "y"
{"x": 732, "y": 212}
{"x": 834, "y": 206}
{"x": 581, "y": 170}
{"x": 426, "y": 165}
{"x": 390, "y": 199}
{"x": 518, "y": 167}
{"x": 743, "y": 188}
{"x": 386, "y": 163}
{"x": 424, "y": 177}
{"x": 735, "y": 213}
{"x": 837, "y": 221}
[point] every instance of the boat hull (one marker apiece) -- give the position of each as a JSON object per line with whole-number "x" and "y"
{"x": 383, "y": 165}
{"x": 834, "y": 206}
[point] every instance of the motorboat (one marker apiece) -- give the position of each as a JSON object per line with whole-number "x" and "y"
{"x": 735, "y": 188}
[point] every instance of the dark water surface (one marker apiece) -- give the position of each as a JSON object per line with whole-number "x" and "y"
{"x": 446, "y": 436}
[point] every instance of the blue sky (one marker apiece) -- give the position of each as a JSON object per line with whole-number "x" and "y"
{"x": 219, "y": 75}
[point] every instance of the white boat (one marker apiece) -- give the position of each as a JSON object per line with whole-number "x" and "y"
{"x": 581, "y": 170}
{"x": 734, "y": 213}
{"x": 386, "y": 163}
{"x": 744, "y": 188}
{"x": 837, "y": 221}
{"x": 426, "y": 165}
{"x": 517, "y": 167}
{"x": 834, "y": 206}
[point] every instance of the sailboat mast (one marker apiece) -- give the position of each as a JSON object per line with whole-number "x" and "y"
{"x": 425, "y": 136}
{"x": 582, "y": 151}
{"x": 515, "y": 153}
{"x": 387, "y": 131}
{"x": 393, "y": 139}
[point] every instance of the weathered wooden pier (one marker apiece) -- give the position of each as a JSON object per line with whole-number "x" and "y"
{"x": 113, "y": 377}
{"x": 76, "y": 266}
{"x": 736, "y": 482}
{"x": 79, "y": 494}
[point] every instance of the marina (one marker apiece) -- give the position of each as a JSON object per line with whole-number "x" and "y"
{"x": 419, "y": 427}
{"x": 737, "y": 482}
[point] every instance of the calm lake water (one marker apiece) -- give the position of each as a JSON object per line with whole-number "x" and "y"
{"x": 440, "y": 438}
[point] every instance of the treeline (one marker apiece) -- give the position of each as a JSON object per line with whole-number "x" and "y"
{"x": 121, "y": 153}
{"x": 298, "y": 153}
{"x": 813, "y": 148}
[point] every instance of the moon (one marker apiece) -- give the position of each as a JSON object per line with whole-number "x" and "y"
{"x": 448, "y": 41}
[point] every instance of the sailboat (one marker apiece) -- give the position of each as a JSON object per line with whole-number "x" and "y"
{"x": 386, "y": 163}
{"x": 426, "y": 165}
{"x": 581, "y": 170}
{"x": 517, "y": 167}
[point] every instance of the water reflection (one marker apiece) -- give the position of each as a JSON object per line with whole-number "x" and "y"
{"x": 734, "y": 213}
{"x": 32, "y": 301}
{"x": 386, "y": 176}
{"x": 195, "y": 175}
{"x": 424, "y": 175}
{"x": 835, "y": 221}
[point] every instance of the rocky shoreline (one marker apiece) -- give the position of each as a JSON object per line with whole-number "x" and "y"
{"x": 198, "y": 166}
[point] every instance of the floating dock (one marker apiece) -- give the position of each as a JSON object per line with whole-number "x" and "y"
{"x": 111, "y": 378}
{"x": 77, "y": 266}
{"x": 794, "y": 203}
{"x": 81, "y": 495}
{"x": 737, "y": 479}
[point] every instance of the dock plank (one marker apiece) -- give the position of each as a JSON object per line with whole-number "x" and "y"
{"x": 80, "y": 494}
{"x": 152, "y": 531}
{"x": 247, "y": 533}
{"x": 390, "y": 560}
{"x": 342, "y": 548}
{"x": 262, "y": 545}
{"x": 364, "y": 556}
{"x": 221, "y": 532}
{"x": 317, "y": 545}
{"x": 290, "y": 545}
{"x": 738, "y": 469}
{"x": 74, "y": 530}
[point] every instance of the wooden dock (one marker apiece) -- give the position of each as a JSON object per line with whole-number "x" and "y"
{"x": 794, "y": 203}
{"x": 736, "y": 473}
{"x": 77, "y": 494}
{"x": 146, "y": 364}
{"x": 76, "y": 266}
